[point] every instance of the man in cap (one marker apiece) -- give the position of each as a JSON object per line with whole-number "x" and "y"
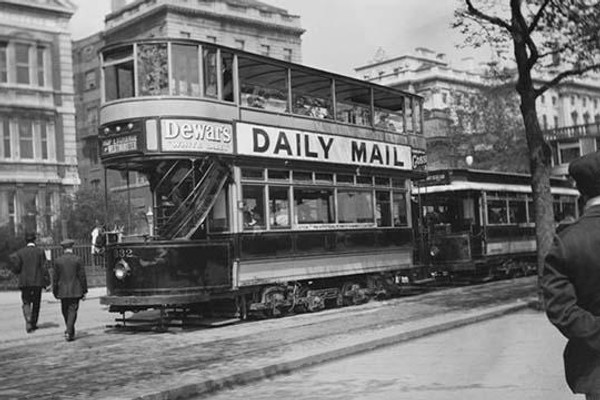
{"x": 70, "y": 285}
{"x": 30, "y": 265}
{"x": 571, "y": 283}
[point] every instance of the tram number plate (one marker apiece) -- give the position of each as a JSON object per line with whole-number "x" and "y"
{"x": 119, "y": 145}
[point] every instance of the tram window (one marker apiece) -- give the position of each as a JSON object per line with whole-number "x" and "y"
{"x": 380, "y": 181}
{"x": 399, "y": 209}
{"x": 253, "y": 173}
{"x": 409, "y": 114}
{"x": 279, "y": 207}
{"x": 383, "y": 215}
{"x": 278, "y": 175}
{"x": 345, "y": 179}
{"x": 209, "y": 68}
{"x": 364, "y": 180}
{"x": 569, "y": 210}
{"x": 217, "y": 219}
{"x": 497, "y": 212}
{"x": 118, "y": 73}
{"x": 389, "y": 109}
{"x": 153, "y": 69}
{"x": 303, "y": 176}
{"x": 517, "y": 211}
{"x": 323, "y": 177}
{"x": 398, "y": 183}
{"x": 354, "y": 206}
{"x": 227, "y": 76}
{"x": 353, "y": 103}
{"x": 263, "y": 85}
{"x": 186, "y": 70}
{"x": 313, "y": 206}
{"x": 531, "y": 210}
{"x": 311, "y": 95}
{"x": 253, "y": 206}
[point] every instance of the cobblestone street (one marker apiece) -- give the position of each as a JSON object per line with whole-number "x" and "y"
{"x": 113, "y": 364}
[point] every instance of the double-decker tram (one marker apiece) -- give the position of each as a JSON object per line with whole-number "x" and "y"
{"x": 267, "y": 186}
{"x": 480, "y": 224}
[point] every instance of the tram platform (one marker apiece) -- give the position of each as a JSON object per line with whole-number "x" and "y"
{"x": 105, "y": 363}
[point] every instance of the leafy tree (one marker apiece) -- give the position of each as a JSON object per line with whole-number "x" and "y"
{"x": 88, "y": 206}
{"x": 555, "y": 39}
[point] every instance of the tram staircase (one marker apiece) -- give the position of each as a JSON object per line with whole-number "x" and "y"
{"x": 200, "y": 187}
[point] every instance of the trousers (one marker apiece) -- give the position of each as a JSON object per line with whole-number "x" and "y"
{"x": 69, "y": 307}
{"x": 31, "y": 297}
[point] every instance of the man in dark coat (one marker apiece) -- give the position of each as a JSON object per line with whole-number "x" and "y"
{"x": 30, "y": 265}
{"x": 70, "y": 285}
{"x": 571, "y": 283}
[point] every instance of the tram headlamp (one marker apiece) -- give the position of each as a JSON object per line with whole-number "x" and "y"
{"x": 122, "y": 269}
{"x": 434, "y": 251}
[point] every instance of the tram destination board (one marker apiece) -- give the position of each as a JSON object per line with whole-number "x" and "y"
{"x": 121, "y": 144}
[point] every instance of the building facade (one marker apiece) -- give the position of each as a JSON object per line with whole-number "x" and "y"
{"x": 569, "y": 113}
{"x": 250, "y": 25}
{"x": 38, "y": 159}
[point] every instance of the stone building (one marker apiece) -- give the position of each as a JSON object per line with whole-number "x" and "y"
{"x": 38, "y": 159}
{"x": 250, "y": 25}
{"x": 569, "y": 113}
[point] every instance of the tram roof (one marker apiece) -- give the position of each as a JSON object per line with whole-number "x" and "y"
{"x": 270, "y": 61}
{"x": 454, "y": 180}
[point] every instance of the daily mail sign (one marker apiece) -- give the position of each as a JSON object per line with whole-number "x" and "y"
{"x": 263, "y": 141}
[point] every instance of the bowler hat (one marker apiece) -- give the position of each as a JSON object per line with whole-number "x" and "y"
{"x": 67, "y": 243}
{"x": 30, "y": 236}
{"x": 586, "y": 172}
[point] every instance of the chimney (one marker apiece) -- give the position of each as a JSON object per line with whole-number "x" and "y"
{"x": 117, "y": 4}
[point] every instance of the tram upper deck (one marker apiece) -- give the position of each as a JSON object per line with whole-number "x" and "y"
{"x": 176, "y": 96}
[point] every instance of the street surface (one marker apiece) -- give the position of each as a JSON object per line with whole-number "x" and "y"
{"x": 114, "y": 364}
{"x": 517, "y": 356}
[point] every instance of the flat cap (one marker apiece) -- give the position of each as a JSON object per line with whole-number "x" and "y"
{"x": 67, "y": 243}
{"x": 586, "y": 173}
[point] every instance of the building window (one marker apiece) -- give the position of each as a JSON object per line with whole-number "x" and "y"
{"x": 585, "y": 101}
{"x": 29, "y": 203}
{"x": 575, "y": 117}
{"x": 239, "y": 44}
{"x": 41, "y": 66}
{"x": 211, "y": 39}
{"x": 568, "y": 152}
{"x": 545, "y": 121}
{"x": 44, "y": 140}
{"x": 543, "y": 99}
{"x": 3, "y": 63}
{"x": 287, "y": 54}
{"x": 185, "y": 34}
{"x": 92, "y": 117}
{"x": 572, "y": 100}
{"x": 595, "y": 103}
{"x": 265, "y": 50}
{"x": 556, "y": 121}
{"x": 553, "y": 100}
{"x": 5, "y": 133}
{"x": 22, "y": 63}
{"x": 12, "y": 216}
{"x": 90, "y": 80}
{"x": 25, "y": 139}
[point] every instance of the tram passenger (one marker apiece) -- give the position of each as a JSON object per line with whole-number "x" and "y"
{"x": 571, "y": 283}
{"x": 29, "y": 263}
{"x": 70, "y": 285}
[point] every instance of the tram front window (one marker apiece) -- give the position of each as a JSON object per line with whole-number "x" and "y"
{"x": 186, "y": 77}
{"x": 118, "y": 74}
{"x": 153, "y": 69}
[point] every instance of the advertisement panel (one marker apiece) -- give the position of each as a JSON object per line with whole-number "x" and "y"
{"x": 189, "y": 135}
{"x": 272, "y": 142}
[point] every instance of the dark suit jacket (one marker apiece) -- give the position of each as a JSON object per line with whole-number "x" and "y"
{"x": 571, "y": 285}
{"x": 30, "y": 265}
{"x": 69, "y": 277}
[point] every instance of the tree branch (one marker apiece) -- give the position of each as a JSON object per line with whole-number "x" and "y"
{"x": 565, "y": 74}
{"x": 538, "y": 16}
{"x": 492, "y": 20}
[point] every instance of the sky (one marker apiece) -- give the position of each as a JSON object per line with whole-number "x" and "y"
{"x": 342, "y": 34}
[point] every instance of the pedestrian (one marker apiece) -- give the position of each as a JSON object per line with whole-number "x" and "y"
{"x": 571, "y": 283}
{"x": 70, "y": 285}
{"x": 29, "y": 263}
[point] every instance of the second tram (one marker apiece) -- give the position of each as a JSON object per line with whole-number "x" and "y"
{"x": 255, "y": 185}
{"x": 480, "y": 224}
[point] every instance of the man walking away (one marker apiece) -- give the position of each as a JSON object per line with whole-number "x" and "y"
{"x": 571, "y": 283}
{"x": 70, "y": 285}
{"x": 30, "y": 265}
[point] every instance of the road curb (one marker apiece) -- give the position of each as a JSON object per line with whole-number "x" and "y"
{"x": 252, "y": 375}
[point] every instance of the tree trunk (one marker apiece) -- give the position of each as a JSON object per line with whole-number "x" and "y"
{"x": 539, "y": 156}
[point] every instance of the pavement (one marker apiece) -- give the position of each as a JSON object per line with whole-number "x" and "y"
{"x": 115, "y": 364}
